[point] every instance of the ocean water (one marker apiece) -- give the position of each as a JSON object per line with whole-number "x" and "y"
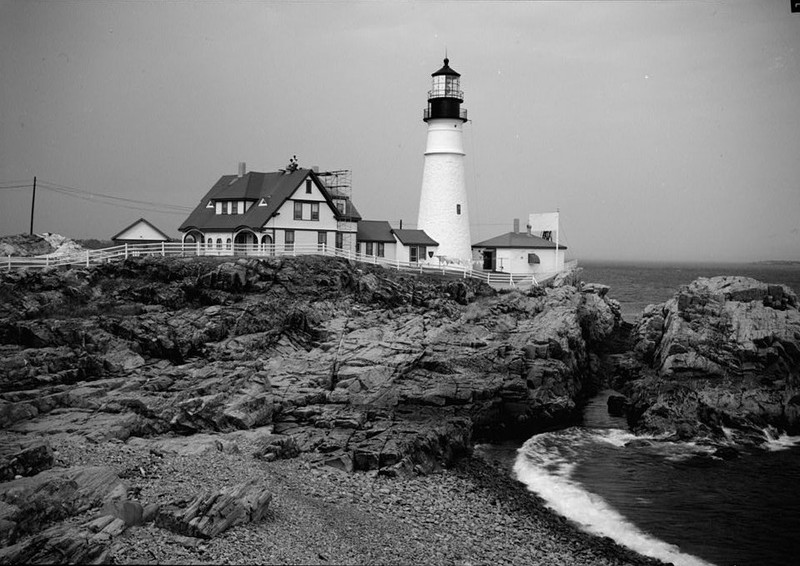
{"x": 636, "y": 285}
{"x": 669, "y": 500}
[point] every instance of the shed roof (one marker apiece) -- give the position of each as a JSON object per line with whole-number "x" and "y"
{"x": 414, "y": 238}
{"x": 375, "y": 231}
{"x": 518, "y": 240}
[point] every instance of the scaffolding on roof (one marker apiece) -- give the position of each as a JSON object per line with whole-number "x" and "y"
{"x": 339, "y": 182}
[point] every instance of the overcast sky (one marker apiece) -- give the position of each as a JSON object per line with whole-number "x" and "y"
{"x": 660, "y": 129}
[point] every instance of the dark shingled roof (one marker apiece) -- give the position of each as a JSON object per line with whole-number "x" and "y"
{"x": 518, "y": 240}
{"x": 274, "y": 188}
{"x": 414, "y": 238}
{"x": 375, "y": 231}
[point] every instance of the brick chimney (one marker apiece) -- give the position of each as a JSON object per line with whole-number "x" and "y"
{"x": 516, "y": 225}
{"x": 242, "y": 168}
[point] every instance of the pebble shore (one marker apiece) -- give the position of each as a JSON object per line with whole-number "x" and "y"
{"x": 474, "y": 513}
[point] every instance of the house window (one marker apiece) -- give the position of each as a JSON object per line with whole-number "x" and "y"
{"x": 413, "y": 254}
{"x": 340, "y": 206}
{"x": 458, "y": 209}
{"x": 533, "y": 258}
{"x": 308, "y": 186}
{"x": 289, "y": 235}
{"x": 298, "y": 210}
{"x": 322, "y": 240}
{"x": 369, "y": 249}
{"x": 314, "y": 211}
{"x": 228, "y": 244}
{"x": 210, "y": 243}
{"x": 219, "y": 243}
{"x": 340, "y": 241}
{"x": 379, "y": 249}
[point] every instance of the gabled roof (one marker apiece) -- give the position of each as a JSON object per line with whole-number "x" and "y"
{"x": 414, "y": 238}
{"x": 141, "y": 221}
{"x": 268, "y": 189}
{"x": 518, "y": 240}
{"x": 374, "y": 231}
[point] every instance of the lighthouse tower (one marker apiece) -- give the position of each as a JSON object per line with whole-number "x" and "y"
{"x": 443, "y": 212}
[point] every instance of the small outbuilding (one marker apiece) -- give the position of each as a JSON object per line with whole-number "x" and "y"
{"x": 141, "y": 232}
{"x": 415, "y": 246}
{"x": 376, "y": 238}
{"x": 521, "y": 253}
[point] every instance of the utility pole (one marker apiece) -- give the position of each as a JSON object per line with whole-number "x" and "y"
{"x": 33, "y": 202}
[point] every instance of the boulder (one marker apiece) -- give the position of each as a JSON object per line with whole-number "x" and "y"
{"x": 29, "y": 504}
{"x": 24, "y": 457}
{"x": 212, "y": 512}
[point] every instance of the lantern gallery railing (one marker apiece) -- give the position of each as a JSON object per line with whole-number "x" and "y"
{"x": 87, "y": 258}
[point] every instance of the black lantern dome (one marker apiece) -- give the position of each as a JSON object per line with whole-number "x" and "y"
{"x": 446, "y": 96}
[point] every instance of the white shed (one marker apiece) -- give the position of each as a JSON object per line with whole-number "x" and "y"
{"x": 521, "y": 253}
{"x": 140, "y": 232}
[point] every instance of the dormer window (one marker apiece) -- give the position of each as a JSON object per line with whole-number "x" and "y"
{"x": 308, "y": 186}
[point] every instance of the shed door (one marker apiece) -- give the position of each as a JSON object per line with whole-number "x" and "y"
{"x": 489, "y": 260}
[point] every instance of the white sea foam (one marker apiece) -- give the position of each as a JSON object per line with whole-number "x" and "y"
{"x": 616, "y": 436}
{"x": 545, "y": 465}
{"x": 782, "y": 442}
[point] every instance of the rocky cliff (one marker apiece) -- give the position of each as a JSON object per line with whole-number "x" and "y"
{"x": 356, "y": 367}
{"x": 720, "y": 361}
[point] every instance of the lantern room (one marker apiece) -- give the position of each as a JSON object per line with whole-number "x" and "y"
{"x": 445, "y": 96}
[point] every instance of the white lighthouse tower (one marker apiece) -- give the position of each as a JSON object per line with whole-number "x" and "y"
{"x": 443, "y": 211}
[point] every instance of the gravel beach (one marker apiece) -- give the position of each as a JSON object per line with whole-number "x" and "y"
{"x": 473, "y": 513}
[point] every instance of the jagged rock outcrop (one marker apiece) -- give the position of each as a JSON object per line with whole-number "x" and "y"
{"x": 720, "y": 360}
{"x": 335, "y": 354}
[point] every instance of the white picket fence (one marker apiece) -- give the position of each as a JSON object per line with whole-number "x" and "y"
{"x": 88, "y": 258}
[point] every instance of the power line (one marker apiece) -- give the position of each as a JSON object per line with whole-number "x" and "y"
{"x": 17, "y": 182}
{"x": 14, "y": 187}
{"x": 90, "y": 195}
{"x": 91, "y": 198}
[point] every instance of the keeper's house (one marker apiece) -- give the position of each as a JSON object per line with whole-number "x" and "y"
{"x": 286, "y": 210}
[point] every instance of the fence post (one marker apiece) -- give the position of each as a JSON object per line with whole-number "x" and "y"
{"x": 126, "y": 250}
{"x": 87, "y": 258}
{"x": 162, "y": 249}
{"x": 9, "y": 262}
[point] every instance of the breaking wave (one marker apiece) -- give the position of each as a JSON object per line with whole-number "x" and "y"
{"x": 546, "y": 464}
